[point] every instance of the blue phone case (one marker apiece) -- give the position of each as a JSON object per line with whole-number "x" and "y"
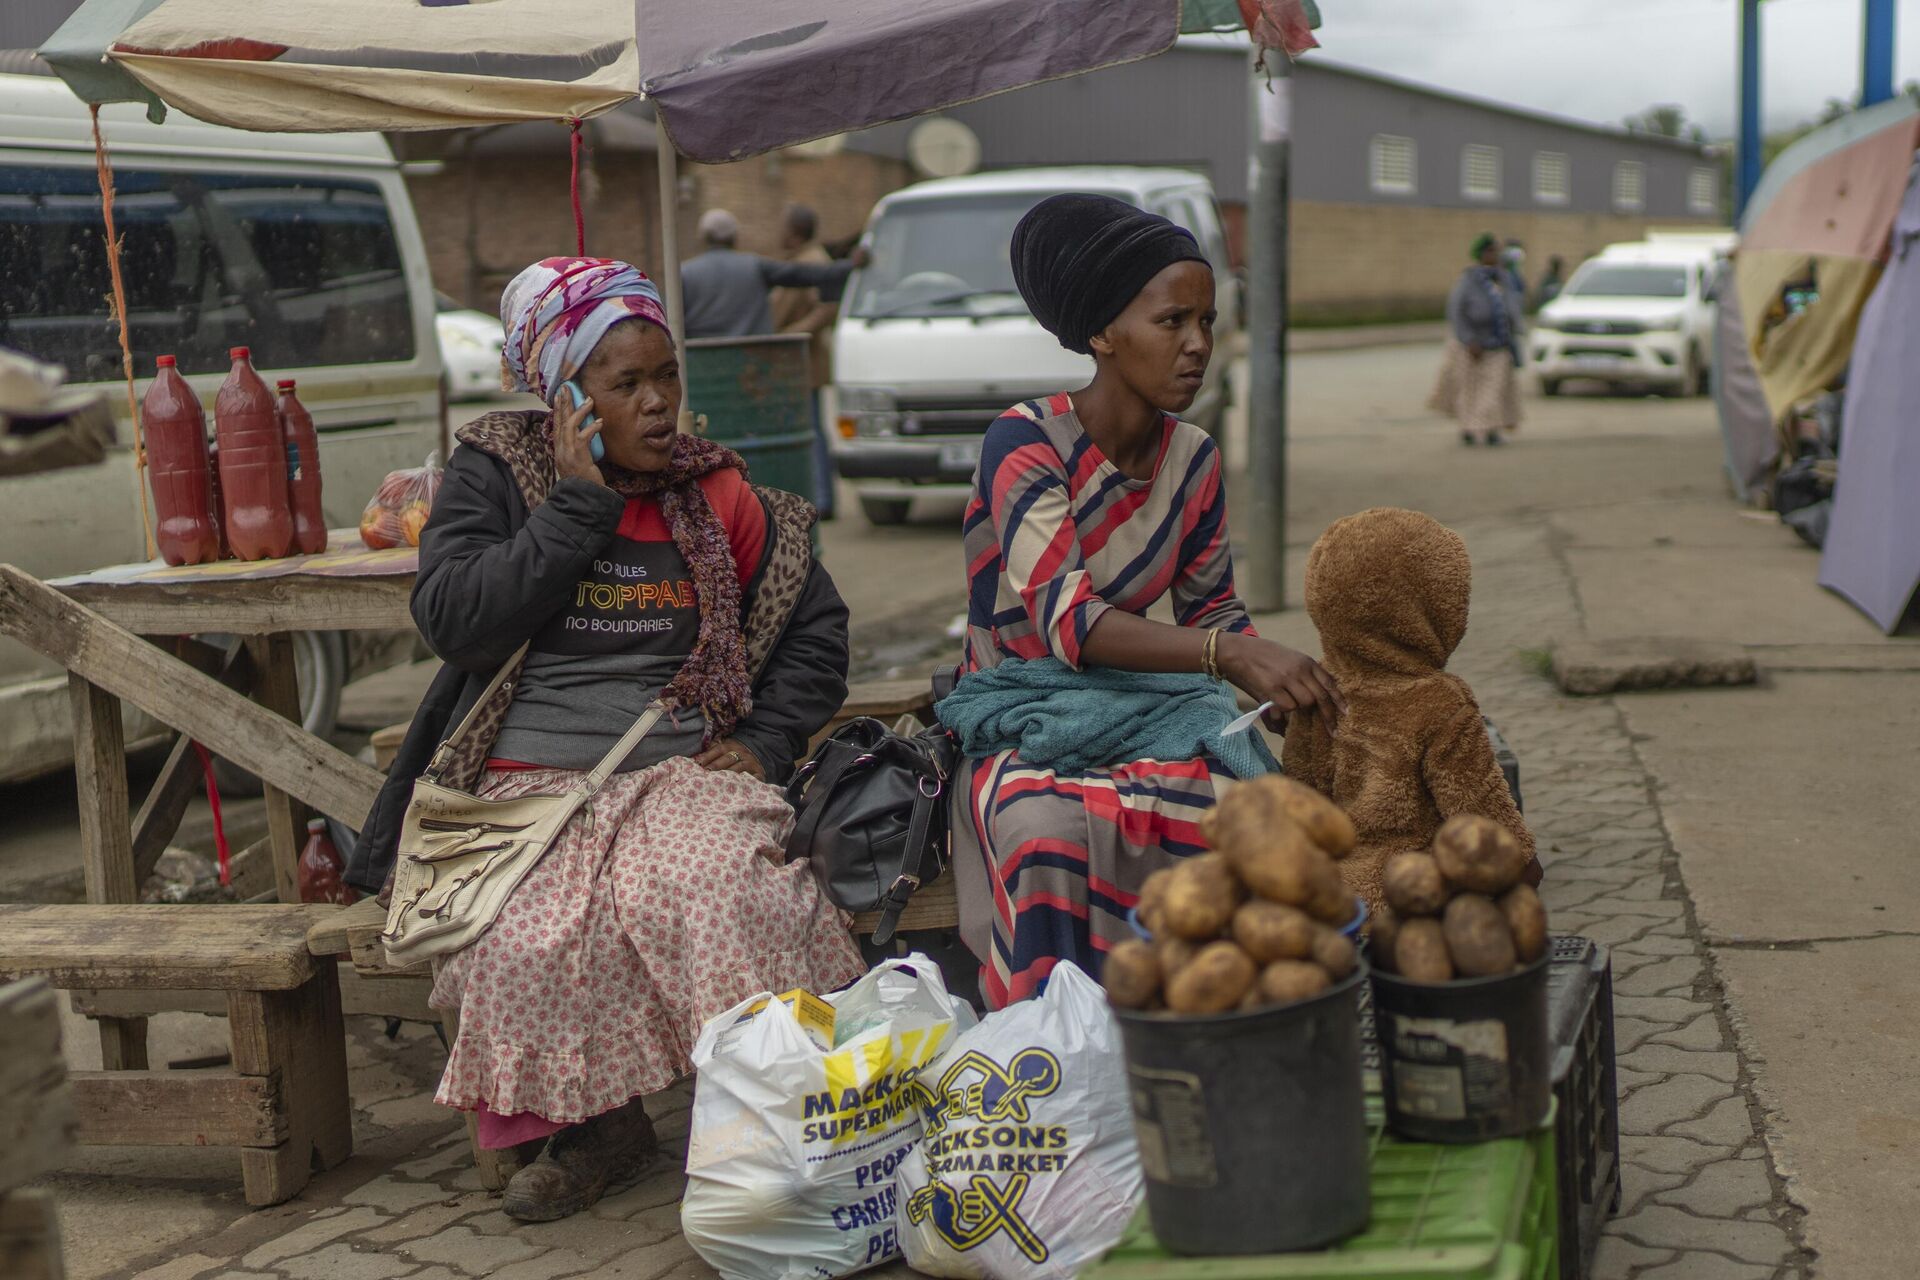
{"x": 594, "y": 446}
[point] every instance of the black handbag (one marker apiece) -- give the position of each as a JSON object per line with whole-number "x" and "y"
{"x": 871, "y": 815}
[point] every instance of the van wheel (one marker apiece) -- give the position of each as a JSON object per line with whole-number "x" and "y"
{"x": 885, "y": 511}
{"x": 1549, "y": 386}
{"x": 320, "y": 658}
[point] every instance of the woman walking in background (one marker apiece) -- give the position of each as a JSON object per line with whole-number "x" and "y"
{"x": 1479, "y": 383}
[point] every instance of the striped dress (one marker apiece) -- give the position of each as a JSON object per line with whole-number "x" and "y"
{"x": 1046, "y": 864}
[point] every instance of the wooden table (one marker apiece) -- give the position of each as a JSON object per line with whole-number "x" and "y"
{"x": 127, "y": 634}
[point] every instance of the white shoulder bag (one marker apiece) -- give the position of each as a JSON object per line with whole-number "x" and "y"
{"x": 461, "y": 857}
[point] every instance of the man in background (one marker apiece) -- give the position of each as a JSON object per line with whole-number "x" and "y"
{"x": 726, "y": 290}
{"x": 810, "y": 312}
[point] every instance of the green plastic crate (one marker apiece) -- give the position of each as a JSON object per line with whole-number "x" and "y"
{"x": 757, "y": 397}
{"x": 1484, "y": 1211}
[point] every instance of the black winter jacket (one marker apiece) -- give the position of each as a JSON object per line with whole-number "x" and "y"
{"x": 491, "y": 575}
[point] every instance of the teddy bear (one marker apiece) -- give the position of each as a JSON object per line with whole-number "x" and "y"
{"x": 1388, "y": 590}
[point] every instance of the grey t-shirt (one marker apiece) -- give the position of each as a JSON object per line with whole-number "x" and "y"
{"x": 622, "y": 636}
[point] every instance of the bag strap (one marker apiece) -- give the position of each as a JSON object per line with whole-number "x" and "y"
{"x": 443, "y": 754}
{"x": 919, "y": 848}
{"x": 825, "y": 775}
{"x": 623, "y": 748}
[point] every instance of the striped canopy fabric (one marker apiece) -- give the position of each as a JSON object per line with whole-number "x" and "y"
{"x": 730, "y": 78}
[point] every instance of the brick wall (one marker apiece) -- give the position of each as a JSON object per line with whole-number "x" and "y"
{"x": 484, "y": 220}
{"x": 1381, "y": 262}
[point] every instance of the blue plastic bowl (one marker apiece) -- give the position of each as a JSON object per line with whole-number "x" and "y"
{"x": 1351, "y": 928}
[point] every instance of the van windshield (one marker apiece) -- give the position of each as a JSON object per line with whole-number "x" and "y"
{"x": 305, "y": 270}
{"x": 1623, "y": 280}
{"x": 944, "y": 257}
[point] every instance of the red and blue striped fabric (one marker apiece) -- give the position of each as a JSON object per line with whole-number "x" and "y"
{"x": 1056, "y": 535}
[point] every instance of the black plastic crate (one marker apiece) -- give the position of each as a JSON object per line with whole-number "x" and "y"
{"x": 1587, "y": 1119}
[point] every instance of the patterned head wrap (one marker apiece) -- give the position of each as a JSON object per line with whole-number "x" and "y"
{"x": 557, "y": 310}
{"x": 1079, "y": 260}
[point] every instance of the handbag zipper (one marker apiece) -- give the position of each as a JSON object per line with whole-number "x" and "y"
{"x": 441, "y": 824}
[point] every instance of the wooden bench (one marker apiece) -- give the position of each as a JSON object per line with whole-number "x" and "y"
{"x": 36, "y": 1129}
{"x": 284, "y": 1104}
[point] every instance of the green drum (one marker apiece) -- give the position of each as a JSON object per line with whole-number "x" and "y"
{"x": 757, "y": 397}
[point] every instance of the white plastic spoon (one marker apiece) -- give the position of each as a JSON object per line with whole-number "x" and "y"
{"x": 1245, "y": 722}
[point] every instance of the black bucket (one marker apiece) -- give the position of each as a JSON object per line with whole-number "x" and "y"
{"x": 1465, "y": 1061}
{"x": 1252, "y": 1126}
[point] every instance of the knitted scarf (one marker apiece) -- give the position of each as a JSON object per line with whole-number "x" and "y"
{"x": 715, "y": 677}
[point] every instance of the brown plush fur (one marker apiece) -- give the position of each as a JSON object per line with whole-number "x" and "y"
{"x": 1388, "y": 591}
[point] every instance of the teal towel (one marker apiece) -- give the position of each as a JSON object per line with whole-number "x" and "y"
{"x": 1072, "y": 721}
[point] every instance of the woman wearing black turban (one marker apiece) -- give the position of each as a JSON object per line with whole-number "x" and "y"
{"x": 1089, "y": 509}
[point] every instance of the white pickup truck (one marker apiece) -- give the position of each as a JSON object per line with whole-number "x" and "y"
{"x": 1639, "y": 314}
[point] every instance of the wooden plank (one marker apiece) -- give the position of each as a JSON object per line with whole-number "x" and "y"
{"x": 298, "y": 1034}
{"x": 370, "y": 957}
{"x": 100, "y": 769}
{"x": 178, "y": 1109}
{"x": 166, "y": 803}
{"x": 36, "y": 1113}
{"x": 279, "y": 692}
{"x": 30, "y": 1237}
{"x": 121, "y": 663}
{"x": 935, "y": 907}
{"x": 328, "y": 937}
{"x": 884, "y": 700}
{"x": 261, "y": 606}
{"x": 220, "y": 947}
{"x": 404, "y": 998}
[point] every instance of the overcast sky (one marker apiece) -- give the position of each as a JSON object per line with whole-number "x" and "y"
{"x": 1603, "y": 60}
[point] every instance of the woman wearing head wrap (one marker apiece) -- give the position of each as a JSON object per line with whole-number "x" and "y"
{"x": 1089, "y": 509}
{"x": 1478, "y": 384}
{"x": 652, "y": 570}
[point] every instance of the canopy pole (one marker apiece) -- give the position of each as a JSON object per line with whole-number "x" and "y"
{"x": 668, "y": 162}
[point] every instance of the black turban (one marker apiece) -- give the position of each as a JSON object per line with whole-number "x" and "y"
{"x": 1078, "y": 260}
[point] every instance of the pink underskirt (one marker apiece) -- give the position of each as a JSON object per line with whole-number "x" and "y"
{"x": 496, "y": 1132}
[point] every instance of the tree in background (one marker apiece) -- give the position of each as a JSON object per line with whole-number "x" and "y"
{"x": 1666, "y": 120}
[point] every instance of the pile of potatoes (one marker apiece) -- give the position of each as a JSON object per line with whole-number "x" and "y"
{"x": 1255, "y": 922}
{"x": 1459, "y": 911}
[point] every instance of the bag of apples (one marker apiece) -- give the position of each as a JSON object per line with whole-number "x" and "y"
{"x": 399, "y": 508}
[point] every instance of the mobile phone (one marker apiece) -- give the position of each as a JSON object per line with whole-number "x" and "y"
{"x": 594, "y": 445}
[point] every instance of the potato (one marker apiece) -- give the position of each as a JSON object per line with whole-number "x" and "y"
{"x": 1326, "y": 822}
{"x": 1420, "y": 951}
{"x": 1285, "y": 981}
{"x": 1198, "y": 901}
{"x": 1527, "y": 918}
{"x": 1286, "y": 867}
{"x": 1478, "y": 939}
{"x": 1332, "y": 901}
{"x": 1244, "y": 817}
{"x": 1253, "y": 999}
{"x": 1382, "y": 926}
{"x": 1478, "y": 854}
{"x": 1334, "y": 952}
{"x": 1131, "y": 974}
{"x": 1414, "y": 885}
{"x": 1173, "y": 954}
{"x": 1216, "y": 980}
{"x": 1269, "y": 931}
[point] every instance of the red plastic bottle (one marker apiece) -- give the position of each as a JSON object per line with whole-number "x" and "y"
{"x": 253, "y": 464}
{"x": 178, "y": 470}
{"x": 303, "y": 472}
{"x": 321, "y": 869}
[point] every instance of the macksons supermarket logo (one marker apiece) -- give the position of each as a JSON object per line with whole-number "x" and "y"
{"x": 867, "y": 1086}
{"x": 993, "y": 1161}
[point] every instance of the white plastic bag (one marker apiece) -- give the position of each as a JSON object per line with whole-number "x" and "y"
{"x": 795, "y": 1150}
{"x": 1028, "y": 1168}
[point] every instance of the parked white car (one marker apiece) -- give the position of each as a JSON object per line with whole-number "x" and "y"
{"x": 470, "y": 342}
{"x": 933, "y": 342}
{"x": 1638, "y": 314}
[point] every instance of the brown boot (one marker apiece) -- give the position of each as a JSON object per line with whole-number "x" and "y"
{"x": 579, "y": 1162}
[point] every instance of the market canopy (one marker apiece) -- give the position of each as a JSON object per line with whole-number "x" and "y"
{"x": 730, "y": 78}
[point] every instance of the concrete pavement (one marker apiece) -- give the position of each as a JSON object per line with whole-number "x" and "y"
{"x": 1746, "y": 852}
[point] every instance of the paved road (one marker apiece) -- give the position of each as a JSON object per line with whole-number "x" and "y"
{"x": 1747, "y": 854}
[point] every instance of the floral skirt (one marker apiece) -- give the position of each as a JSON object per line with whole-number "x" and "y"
{"x": 1482, "y": 395}
{"x": 664, "y": 902}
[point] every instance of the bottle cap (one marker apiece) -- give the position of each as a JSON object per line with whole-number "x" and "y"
{"x": 164, "y": 362}
{"x": 239, "y": 353}
{"x": 285, "y": 384}
{"x": 316, "y": 826}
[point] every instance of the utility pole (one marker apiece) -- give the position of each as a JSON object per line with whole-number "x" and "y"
{"x": 1263, "y": 570}
{"x": 1747, "y": 171}
{"x": 1876, "y": 53}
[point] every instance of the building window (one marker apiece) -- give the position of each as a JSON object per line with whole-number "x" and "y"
{"x": 1550, "y": 182}
{"x": 1480, "y": 172}
{"x": 1629, "y": 185}
{"x": 1703, "y": 191}
{"x": 1390, "y": 168}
